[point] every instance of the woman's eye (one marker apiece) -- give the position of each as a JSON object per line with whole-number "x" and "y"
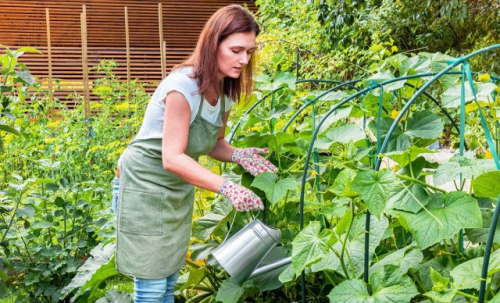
{"x": 235, "y": 51}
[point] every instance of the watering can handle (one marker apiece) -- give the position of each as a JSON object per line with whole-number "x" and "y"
{"x": 232, "y": 224}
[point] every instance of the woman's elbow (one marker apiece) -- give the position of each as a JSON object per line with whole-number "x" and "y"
{"x": 168, "y": 163}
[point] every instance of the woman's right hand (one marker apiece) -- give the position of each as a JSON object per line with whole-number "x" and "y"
{"x": 241, "y": 197}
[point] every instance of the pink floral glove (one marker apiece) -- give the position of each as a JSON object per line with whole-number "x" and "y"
{"x": 241, "y": 197}
{"x": 252, "y": 162}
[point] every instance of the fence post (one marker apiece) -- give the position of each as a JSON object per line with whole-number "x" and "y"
{"x": 127, "y": 48}
{"x": 164, "y": 55}
{"x": 160, "y": 31}
{"x": 83, "y": 22}
{"x": 49, "y": 56}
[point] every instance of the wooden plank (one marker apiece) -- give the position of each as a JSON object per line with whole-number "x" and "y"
{"x": 49, "y": 56}
{"x": 127, "y": 42}
{"x": 86, "y": 100}
{"x": 160, "y": 32}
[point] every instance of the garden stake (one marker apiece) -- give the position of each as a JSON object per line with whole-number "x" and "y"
{"x": 487, "y": 252}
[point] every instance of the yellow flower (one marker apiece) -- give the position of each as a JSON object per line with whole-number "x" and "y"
{"x": 54, "y": 124}
{"x": 103, "y": 91}
{"x": 8, "y": 139}
{"x": 488, "y": 155}
{"x": 484, "y": 78}
{"x": 256, "y": 128}
{"x": 122, "y": 107}
{"x": 94, "y": 104}
{"x": 395, "y": 114}
{"x": 50, "y": 140}
{"x": 376, "y": 47}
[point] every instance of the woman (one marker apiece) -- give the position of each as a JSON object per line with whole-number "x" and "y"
{"x": 185, "y": 118}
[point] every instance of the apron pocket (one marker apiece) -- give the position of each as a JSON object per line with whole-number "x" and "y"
{"x": 140, "y": 212}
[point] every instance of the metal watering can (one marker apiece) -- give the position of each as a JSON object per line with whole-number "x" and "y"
{"x": 241, "y": 254}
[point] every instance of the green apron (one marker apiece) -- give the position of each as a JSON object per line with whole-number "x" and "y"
{"x": 155, "y": 206}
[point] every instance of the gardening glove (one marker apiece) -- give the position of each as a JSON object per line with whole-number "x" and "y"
{"x": 241, "y": 197}
{"x": 252, "y": 162}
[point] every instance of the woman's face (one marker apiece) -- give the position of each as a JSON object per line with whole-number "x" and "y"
{"x": 234, "y": 53}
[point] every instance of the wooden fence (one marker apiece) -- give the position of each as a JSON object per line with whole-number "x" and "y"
{"x": 146, "y": 38}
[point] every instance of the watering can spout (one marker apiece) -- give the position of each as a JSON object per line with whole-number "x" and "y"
{"x": 241, "y": 254}
{"x": 271, "y": 266}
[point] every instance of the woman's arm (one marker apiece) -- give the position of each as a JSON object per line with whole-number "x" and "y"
{"x": 222, "y": 151}
{"x": 175, "y": 138}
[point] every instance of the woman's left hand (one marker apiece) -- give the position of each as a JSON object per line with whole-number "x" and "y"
{"x": 251, "y": 160}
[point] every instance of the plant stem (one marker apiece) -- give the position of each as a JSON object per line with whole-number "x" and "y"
{"x": 405, "y": 177}
{"x": 27, "y": 251}
{"x": 455, "y": 246}
{"x": 448, "y": 255}
{"x": 417, "y": 280}
{"x": 12, "y": 218}
{"x": 411, "y": 167}
{"x": 346, "y": 235}
{"x": 341, "y": 262}
{"x": 467, "y": 295}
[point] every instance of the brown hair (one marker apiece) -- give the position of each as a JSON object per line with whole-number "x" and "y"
{"x": 224, "y": 22}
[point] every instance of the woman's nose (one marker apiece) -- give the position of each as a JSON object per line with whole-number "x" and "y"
{"x": 245, "y": 58}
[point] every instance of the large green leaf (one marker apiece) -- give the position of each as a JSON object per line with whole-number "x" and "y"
{"x": 277, "y": 141}
{"x": 287, "y": 275}
{"x": 438, "y": 263}
{"x": 104, "y": 272}
{"x": 310, "y": 245}
{"x": 397, "y": 141}
{"x": 440, "y": 288}
{"x": 28, "y": 49}
{"x": 284, "y": 78}
{"x": 387, "y": 285}
{"x": 374, "y": 188}
{"x": 425, "y": 124}
{"x": 407, "y": 196}
{"x": 404, "y": 157}
{"x": 275, "y": 189}
{"x": 25, "y": 77}
{"x": 478, "y": 235}
{"x": 196, "y": 275}
{"x": 206, "y": 225}
{"x": 98, "y": 267}
{"x": 438, "y": 62}
{"x": 334, "y": 117}
{"x": 115, "y": 296}
{"x": 452, "y": 97}
{"x": 9, "y": 129}
{"x": 451, "y": 170}
{"x": 384, "y": 76}
{"x": 495, "y": 299}
{"x": 346, "y": 133}
{"x": 230, "y": 291}
{"x": 404, "y": 258}
{"x": 443, "y": 217}
{"x": 354, "y": 291}
{"x": 200, "y": 251}
{"x": 337, "y": 95}
{"x": 265, "y": 82}
{"x": 468, "y": 274}
{"x": 341, "y": 185}
{"x": 487, "y": 184}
